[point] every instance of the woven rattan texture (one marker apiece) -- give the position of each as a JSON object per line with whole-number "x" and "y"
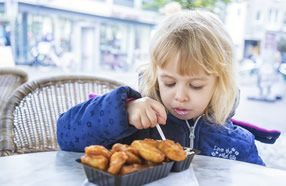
{"x": 10, "y": 80}
{"x": 31, "y": 117}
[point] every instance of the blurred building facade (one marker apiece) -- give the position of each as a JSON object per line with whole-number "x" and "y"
{"x": 116, "y": 33}
{"x": 88, "y": 33}
{"x": 257, "y": 28}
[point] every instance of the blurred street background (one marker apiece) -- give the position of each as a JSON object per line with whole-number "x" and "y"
{"x": 110, "y": 38}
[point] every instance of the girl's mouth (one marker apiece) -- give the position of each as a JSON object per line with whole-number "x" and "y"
{"x": 181, "y": 111}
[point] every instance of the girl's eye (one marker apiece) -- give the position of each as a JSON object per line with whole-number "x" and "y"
{"x": 169, "y": 84}
{"x": 196, "y": 87}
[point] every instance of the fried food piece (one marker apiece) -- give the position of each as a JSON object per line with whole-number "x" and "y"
{"x": 96, "y": 161}
{"x": 148, "y": 152}
{"x": 116, "y": 161}
{"x": 126, "y": 169}
{"x": 132, "y": 158}
{"x": 132, "y": 153}
{"x": 123, "y": 147}
{"x": 150, "y": 164}
{"x": 97, "y": 150}
{"x": 152, "y": 142}
{"x": 173, "y": 151}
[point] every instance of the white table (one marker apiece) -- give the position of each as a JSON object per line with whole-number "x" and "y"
{"x": 60, "y": 168}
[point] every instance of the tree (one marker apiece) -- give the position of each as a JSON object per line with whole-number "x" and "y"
{"x": 186, "y": 4}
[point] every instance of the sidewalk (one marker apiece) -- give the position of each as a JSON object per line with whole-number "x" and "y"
{"x": 269, "y": 115}
{"x": 129, "y": 78}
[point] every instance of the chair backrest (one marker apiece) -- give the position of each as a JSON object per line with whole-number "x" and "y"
{"x": 10, "y": 79}
{"x": 30, "y": 117}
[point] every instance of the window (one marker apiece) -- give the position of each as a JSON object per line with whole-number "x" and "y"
{"x": 113, "y": 44}
{"x": 35, "y": 33}
{"x": 258, "y": 15}
{"x": 129, "y": 3}
{"x": 276, "y": 16}
{"x": 270, "y": 15}
{"x": 238, "y": 12}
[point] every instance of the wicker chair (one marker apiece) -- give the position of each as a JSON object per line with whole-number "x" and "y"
{"x": 29, "y": 119}
{"x": 10, "y": 79}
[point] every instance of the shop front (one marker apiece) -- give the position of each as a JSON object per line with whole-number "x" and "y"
{"x": 85, "y": 42}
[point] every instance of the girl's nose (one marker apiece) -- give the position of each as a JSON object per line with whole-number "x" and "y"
{"x": 181, "y": 95}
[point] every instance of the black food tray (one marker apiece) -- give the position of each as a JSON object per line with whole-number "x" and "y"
{"x": 184, "y": 164}
{"x": 136, "y": 178}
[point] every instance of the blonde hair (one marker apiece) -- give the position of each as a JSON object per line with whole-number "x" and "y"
{"x": 199, "y": 38}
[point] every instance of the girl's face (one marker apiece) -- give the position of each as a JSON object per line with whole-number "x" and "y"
{"x": 188, "y": 96}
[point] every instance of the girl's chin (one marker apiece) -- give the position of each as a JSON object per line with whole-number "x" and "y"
{"x": 184, "y": 117}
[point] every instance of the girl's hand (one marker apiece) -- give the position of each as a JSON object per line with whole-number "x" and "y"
{"x": 145, "y": 113}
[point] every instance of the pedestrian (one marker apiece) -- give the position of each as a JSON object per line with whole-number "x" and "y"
{"x": 188, "y": 88}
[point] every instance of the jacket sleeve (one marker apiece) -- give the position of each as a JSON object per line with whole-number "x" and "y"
{"x": 100, "y": 120}
{"x": 261, "y": 134}
{"x": 253, "y": 156}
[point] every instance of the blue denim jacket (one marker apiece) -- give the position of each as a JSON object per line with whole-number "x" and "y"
{"x": 103, "y": 120}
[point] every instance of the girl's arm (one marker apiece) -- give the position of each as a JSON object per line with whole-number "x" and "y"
{"x": 101, "y": 120}
{"x": 253, "y": 156}
{"x": 261, "y": 134}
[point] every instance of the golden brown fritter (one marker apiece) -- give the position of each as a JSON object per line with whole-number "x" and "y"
{"x": 97, "y": 161}
{"x": 117, "y": 159}
{"x": 126, "y": 169}
{"x": 148, "y": 152}
{"x": 97, "y": 150}
{"x": 173, "y": 151}
{"x": 132, "y": 153}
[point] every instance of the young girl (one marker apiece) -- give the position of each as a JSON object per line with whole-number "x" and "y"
{"x": 188, "y": 88}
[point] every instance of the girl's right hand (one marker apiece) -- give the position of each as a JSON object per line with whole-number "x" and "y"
{"x": 145, "y": 113}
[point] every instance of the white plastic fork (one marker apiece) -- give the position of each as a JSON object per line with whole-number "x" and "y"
{"x": 160, "y": 132}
